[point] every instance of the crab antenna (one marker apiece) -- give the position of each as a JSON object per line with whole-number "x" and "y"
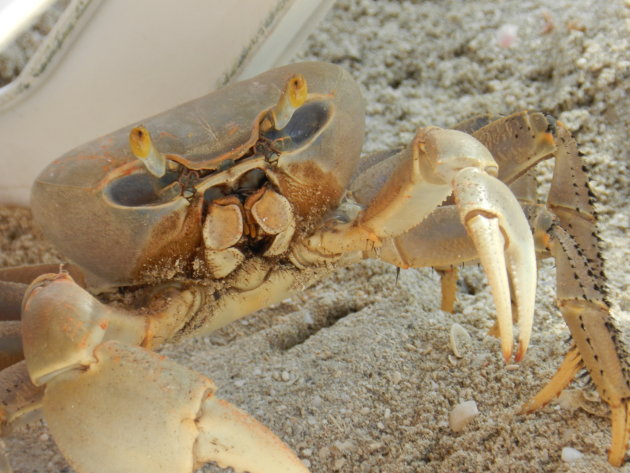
{"x": 293, "y": 97}
{"x": 143, "y": 149}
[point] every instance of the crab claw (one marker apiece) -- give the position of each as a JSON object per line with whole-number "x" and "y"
{"x": 496, "y": 223}
{"x": 105, "y": 395}
{"x": 152, "y": 415}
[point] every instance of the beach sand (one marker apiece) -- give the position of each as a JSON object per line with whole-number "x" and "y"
{"x": 356, "y": 373}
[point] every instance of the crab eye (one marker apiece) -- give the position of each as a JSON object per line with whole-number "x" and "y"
{"x": 142, "y": 148}
{"x": 306, "y": 123}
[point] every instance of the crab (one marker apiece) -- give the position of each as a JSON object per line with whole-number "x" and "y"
{"x": 201, "y": 215}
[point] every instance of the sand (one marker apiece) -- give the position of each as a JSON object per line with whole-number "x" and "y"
{"x": 356, "y": 373}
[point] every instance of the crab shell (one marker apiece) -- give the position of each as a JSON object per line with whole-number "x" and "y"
{"x": 105, "y": 212}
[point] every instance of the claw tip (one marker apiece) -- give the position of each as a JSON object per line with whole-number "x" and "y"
{"x": 507, "y": 354}
{"x": 520, "y": 353}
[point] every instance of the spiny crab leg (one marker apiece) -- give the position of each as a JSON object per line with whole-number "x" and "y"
{"x": 495, "y": 221}
{"x": 165, "y": 416}
{"x": 437, "y": 163}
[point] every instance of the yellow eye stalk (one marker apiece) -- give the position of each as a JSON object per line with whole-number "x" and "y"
{"x": 143, "y": 149}
{"x": 293, "y": 97}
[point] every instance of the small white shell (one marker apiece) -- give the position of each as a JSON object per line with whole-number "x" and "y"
{"x": 507, "y": 35}
{"x": 458, "y": 339}
{"x": 570, "y": 454}
{"x": 462, "y": 414}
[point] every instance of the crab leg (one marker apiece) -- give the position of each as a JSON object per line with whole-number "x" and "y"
{"x": 571, "y": 366}
{"x": 566, "y": 231}
{"x": 20, "y": 403}
{"x": 20, "y": 399}
{"x": 14, "y": 281}
{"x": 414, "y": 183}
{"x": 448, "y": 286}
{"x": 11, "y": 294}
{"x": 10, "y": 343}
{"x": 13, "y": 285}
{"x": 582, "y": 301}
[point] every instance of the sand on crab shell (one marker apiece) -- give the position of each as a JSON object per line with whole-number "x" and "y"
{"x": 356, "y": 373}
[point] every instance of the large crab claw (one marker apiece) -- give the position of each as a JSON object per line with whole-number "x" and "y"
{"x": 401, "y": 191}
{"x": 167, "y": 419}
{"x": 495, "y": 221}
{"x": 166, "y": 416}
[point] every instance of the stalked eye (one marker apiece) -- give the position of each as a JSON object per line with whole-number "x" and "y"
{"x": 293, "y": 97}
{"x": 142, "y": 148}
